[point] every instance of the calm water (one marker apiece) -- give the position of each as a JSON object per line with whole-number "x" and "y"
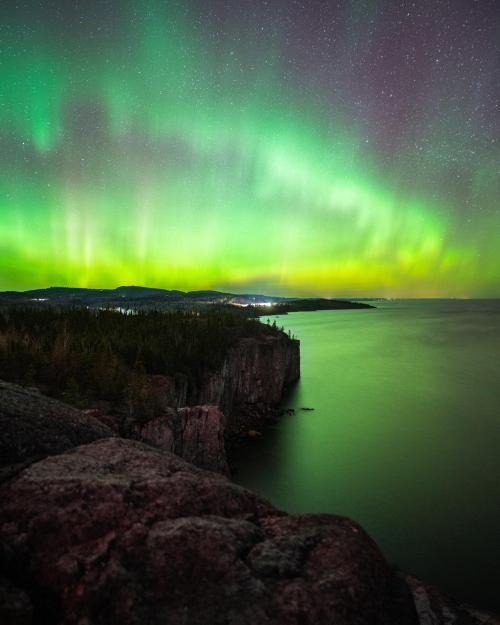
{"x": 404, "y": 438}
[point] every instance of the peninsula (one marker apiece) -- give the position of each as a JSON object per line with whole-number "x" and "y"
{"x": 141, "y": 298}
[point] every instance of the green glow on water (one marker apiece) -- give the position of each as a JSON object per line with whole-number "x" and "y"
{"x": 404, "y": 436}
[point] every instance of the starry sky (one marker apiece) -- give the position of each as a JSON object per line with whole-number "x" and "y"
{"x": 319, "y": 147}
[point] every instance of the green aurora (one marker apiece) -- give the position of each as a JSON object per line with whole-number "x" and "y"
{"x": 154, "y": 146}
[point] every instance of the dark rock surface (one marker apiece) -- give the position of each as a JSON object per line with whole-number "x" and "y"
{"x": 33, "y": 426}
{"x": 196, "y": 434}
{"x": 257, "y": 372}
{"x": 119, "y": 532}
{"x": 252, "y": 379}
{"x": 15, "y": 605}
{"x": 434, "y": 608}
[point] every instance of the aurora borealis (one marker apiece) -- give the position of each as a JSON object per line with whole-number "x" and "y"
{"x": 344, "y": 148}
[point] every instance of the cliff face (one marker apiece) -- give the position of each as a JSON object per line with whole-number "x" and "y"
{"x": 195, "y": 433}
{"x": 194, "y": 413}
{"x": 197, "y": 413}
{"x": 255, "y": 373}
{"x": 252, "y": 379}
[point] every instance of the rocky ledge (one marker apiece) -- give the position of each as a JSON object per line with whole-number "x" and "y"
{"x": 196, "y": 434}
{"x": 253, "y": 378}
{"x": 117, "y": 532}
{"x": 197, "y": 416}
{"x": 244, "y": 391}
{"x": 33, "y": 426}
{"x": 250, "y": 382}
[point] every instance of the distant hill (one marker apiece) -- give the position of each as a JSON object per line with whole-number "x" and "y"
{"x": 59, "y": 294}
{"x": 145, "y": 297}
{"x": 67, "y": 293}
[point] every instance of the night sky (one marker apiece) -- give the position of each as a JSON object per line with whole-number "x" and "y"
{"x": 291, "y": 147}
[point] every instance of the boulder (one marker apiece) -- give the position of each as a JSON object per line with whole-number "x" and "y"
{"x": 117, "y": 532}
{"x": 33, "y": 426}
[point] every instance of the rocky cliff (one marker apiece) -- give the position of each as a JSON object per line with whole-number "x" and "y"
{"x": 250, "y": 382}
{"x": 196, "y": 414}
{"x": 33, "y": 426}
{"x": 199, "y": 413}
{"x": 195, "y": 433}
{"x": 254, "y": 376}
{"x": 116, "y": 532}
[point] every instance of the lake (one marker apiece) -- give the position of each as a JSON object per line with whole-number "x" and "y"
{"x": 404, "y": 436}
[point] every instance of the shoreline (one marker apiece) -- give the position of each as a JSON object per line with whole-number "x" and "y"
{"x": 53, "y": 431}
{"x": 63, "y": 559}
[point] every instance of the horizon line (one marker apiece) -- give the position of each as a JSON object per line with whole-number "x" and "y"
{"x": 259, "y": 293}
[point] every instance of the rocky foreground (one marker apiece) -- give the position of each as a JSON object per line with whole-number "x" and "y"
{"x": 116, "y": 531}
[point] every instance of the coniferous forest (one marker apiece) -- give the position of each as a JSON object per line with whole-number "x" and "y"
{"x": 82, "y": 355}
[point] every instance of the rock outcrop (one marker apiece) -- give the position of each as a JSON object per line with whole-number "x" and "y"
{"x": 119, "y": 532}
{"x": 196, "y": 414}
{"x": 254, "y": 375}
{"x": 115, "y": 531}
{"x": 434, "y": 608}
{"x": 33, "y": 426}
{"x": 194, "y": 433}
{"x": 252, "y": 379}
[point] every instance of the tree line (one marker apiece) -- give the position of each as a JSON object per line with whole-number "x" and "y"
{"x": 82, "y": 355}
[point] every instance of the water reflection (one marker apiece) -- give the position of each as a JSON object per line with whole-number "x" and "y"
{"x": 405, "y": 435}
